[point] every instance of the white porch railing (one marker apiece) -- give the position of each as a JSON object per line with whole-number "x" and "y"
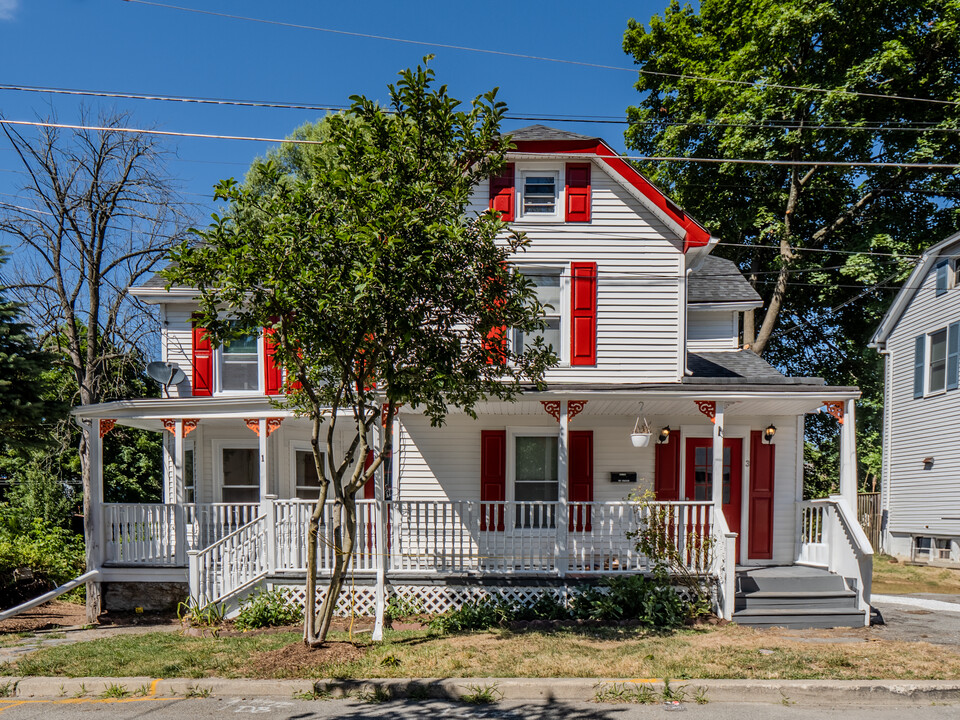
{"x": 161, "y": 534}
{"x": 231, "y": 564}
{"x": 831, "y": 538}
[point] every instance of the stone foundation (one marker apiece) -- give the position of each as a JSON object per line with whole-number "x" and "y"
{"x": 151, "y": 596}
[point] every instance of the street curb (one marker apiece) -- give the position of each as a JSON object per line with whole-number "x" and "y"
{"x": 779, "y": 692}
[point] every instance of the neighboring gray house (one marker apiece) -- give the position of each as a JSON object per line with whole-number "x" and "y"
{"x": 919, "y": 339}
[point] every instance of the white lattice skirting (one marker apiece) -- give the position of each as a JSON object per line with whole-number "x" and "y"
{"x": 432, "y": 599}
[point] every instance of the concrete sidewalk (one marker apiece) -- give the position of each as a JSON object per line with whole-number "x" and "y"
{"x": 830, "y": 693}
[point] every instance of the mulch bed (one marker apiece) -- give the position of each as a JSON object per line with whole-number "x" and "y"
{"x": 49, "y": 616}
{"x": 297, "y": 660}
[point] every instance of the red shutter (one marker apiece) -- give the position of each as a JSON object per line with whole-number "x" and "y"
{"x": 369, "y": 487}
{"x": 578, "y": 192}
{"x": 273, "y": 373}
{"x": 493, "y": 478}
{"x": 583, "y": 313}
{"x": 202, "y": 362}
{"x": 761, "y": 498}
{"x": 502, "y": 194}
{"x": 666, "y": 473}
{"x": 580, "y": 478}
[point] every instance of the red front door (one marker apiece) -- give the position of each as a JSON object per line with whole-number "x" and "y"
{"x": 699, "y": 477}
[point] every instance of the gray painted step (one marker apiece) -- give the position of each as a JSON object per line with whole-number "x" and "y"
{"x": 800, "y": 618}
{"x": 795, "y": 578}
{"x": 816, "y": 599}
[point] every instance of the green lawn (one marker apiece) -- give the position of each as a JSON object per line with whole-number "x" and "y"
{"x": 896, "y": 578}
{"x": 709, "y": 652}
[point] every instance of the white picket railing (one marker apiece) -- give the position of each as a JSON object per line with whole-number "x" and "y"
{"x": 161, "y": 534}
{"x": 831, "y": 537}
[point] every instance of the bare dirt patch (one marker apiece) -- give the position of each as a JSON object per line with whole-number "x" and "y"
{"x": 297, "y": 660}
{"x": 49, "y": 616}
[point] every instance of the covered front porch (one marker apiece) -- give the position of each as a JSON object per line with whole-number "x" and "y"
{"x": 427, "y": 516}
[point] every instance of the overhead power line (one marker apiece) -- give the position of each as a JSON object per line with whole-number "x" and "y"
{"x": 642, "y": 158}
{"x": 524, "y": 56}
{"x": 534, "y": 117}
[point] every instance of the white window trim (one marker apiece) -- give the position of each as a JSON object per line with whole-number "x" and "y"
{"x": 525, "y": 169}
{"x": 218, "y": 447}
{"x": 928, "y": 370}
{"x": 563, "y": 270}
{"x": 295, "y": 447}
{"x": 218, "y": 371}
{"x": 512, "y": 434}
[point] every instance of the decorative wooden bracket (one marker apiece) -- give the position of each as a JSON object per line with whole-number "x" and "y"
{"x": 575, "y": 407}
{"x": 106, "y": 426}
{"x": 708, "y": 408}
{"x": 552, "y": 407}
{"x": 189, "y": 426}
{"x": 835, "y": 408}
{"x": 254, "y": 424}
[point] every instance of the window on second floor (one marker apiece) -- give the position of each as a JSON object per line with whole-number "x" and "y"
{"x": 936, "y": 361}
{"x": 240, "y": 365}
{"x": 548, "y": 285}
{"x": 539, "y": 193}
{"x": 943, "y": 277}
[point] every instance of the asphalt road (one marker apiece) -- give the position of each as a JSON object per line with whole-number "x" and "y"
{"x": 203, "y": 709}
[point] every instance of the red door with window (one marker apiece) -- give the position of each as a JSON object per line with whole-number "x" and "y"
{"x": 699, "y": 477}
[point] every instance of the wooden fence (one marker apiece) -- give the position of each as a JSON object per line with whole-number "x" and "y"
{"x": 869, "y": 514}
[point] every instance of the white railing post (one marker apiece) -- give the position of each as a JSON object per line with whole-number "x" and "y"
{"x": 730, "y": 575}
{"x": 193, "y": 576}
{"x": 269, "y": 511}
{"x": 180, "y": 535}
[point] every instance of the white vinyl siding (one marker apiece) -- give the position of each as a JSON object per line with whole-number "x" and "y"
{"x": 922, "y": 500}
{"x": 639, "y": 262}
{"x": 176, "y": 337}
{"x": 713, "y": 330}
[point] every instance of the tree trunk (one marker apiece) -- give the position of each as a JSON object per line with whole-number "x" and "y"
{"x": 94, "y": 601}
{"x": 344, "y": 538}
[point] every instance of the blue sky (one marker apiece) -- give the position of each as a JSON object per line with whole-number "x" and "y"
{"x": 114, "y": 45}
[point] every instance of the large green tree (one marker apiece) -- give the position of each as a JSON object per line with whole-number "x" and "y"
{"x": 808, "y": 82}
{"x": 379, "y": 287}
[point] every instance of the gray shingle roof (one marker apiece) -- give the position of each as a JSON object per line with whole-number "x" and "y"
{"x": 719, "y": 280}
{"x": 740, "y": 366}
{"x": 542, "y": 132}
{"x": 155, "y": 281}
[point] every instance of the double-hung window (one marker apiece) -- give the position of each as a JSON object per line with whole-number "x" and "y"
{"x": 306, "y": 478}
{"x": 536, "y": 482}
{"x": 540, "y": 193}
{"x": 240, "y": 473}
{"x": 548, "y": 286}
{"x": 240, "y": 365}
{"x": 938, "y": 362}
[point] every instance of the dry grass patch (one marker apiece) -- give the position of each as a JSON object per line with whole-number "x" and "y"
{"x": 895, "y": 578}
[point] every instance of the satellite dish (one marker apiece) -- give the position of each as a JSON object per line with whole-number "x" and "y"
{"x": 165, "y": 373}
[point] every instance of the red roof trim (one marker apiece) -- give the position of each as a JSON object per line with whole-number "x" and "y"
{"x": 695, "y": 234}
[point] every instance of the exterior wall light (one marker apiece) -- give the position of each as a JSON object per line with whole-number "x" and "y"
{"x": 664, "y": 434}
{"x": 768, "y": 432}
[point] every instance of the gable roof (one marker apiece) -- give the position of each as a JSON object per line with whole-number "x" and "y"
{"x": 547, "y": 141}
{"x": 908, "y": 290}
{"x": 719, "y": 280}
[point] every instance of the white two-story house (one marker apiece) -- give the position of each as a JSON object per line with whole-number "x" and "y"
{"x": 919, "y": 339}
{"x": 531, "y": 496}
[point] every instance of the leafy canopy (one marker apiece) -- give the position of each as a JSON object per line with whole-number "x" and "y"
{"x": 361, "y": 253}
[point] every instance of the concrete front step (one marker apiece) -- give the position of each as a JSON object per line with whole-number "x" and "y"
{"x": 816, "y": 599}
{"x": 795, "y": 578}
{"x": 798, "y": 618}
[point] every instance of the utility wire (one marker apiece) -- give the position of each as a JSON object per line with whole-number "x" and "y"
{"x": 523, "y": 56}
{"x": 537, "y": 117}
{"x": 641, "y": 158}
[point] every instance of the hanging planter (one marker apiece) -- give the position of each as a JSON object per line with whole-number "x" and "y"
{"x": 640, "y": 437}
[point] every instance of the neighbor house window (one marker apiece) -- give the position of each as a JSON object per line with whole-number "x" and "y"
{"x": 938, "y": 361}
{"x": 535, "y": 480}
{"x": 539, "y": 190}
{"x": 240, "y": 468}
{"x": 240, "y": 364}
{"x": 548, "y": 288}
{"x": 306, "y": 478}
{"x": 943, "y": 277}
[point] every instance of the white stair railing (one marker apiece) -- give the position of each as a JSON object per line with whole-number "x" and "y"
{"x": 230, "y": 565}
{"x": 831, "y": 538}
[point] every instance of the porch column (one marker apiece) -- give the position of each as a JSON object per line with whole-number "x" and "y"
{"x": 717, "y": 473}
{"x": 563, "y": 512}
{"x": 380, "y": 542}
{"x": 848, "y": 455}
{"x": 93, "y": 518}
{"x": 264, "y": 484}
{"x": 178, "y": 462}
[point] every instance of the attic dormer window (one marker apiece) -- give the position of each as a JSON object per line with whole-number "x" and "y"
{"x": 539, "y": 188}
